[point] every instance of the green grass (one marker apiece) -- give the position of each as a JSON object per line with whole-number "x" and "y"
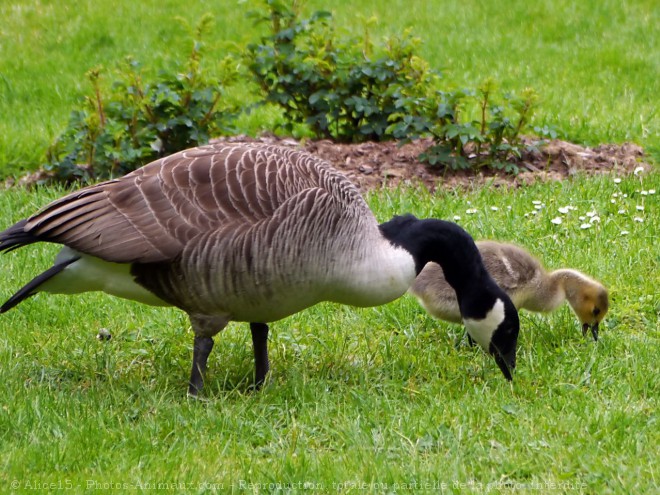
{"x": 358, "y": 400}
{"x": 594, "y": 63}
{"x": 368, "y": 398}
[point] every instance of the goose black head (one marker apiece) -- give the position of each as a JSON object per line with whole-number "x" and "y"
{"x": 489, "y": 316}
{"x": 494, "y": 325}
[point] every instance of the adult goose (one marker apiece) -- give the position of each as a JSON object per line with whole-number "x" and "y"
{"x": 252, "y": 233}
{"x": 527, "y": 283}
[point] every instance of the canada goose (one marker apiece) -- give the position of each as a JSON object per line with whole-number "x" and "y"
{"x": 252, "y": 233}
{"x": 526, "y": 282}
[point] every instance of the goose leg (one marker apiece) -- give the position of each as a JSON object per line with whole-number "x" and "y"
{"x": 201, "y": 350}
{"x": 204, "y": 328}
{"x": 458, "y": 343}
{"x": 260, "y": 346}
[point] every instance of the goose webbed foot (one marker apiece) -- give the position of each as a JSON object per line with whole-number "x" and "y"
{"x": 260, "y": 346}
{"x": 201, "y": 350}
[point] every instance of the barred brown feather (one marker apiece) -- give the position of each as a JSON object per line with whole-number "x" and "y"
{"x": 150, "y": 215}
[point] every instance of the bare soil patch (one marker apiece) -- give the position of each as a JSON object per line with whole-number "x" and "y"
{"x": 375, "y": 165}
{"x": 372, "y": 165}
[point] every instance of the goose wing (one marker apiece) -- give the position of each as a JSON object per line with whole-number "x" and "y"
{"x": 150, "y": 214}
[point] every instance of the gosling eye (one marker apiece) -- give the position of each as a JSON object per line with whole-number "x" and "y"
{"x": 596, "y": 311}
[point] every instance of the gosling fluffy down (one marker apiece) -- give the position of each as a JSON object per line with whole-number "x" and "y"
{"x": 527, "y": 283}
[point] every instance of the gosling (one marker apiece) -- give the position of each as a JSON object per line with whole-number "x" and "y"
{"x": 526, "y": 282}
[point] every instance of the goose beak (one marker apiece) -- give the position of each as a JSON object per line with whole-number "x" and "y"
{"x": 505, "y": 367}
{"x": 593, "y": 328}
{"x": 506, "y": 362}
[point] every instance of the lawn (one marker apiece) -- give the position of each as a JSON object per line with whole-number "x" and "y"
{"x": 371, "y": 400}
{"x": 371, "y": 396}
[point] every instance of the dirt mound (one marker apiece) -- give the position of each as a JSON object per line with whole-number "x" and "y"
{"x": 372, "y": 165}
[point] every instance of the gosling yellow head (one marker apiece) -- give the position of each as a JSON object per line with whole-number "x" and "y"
{"x": 590, "y": 303}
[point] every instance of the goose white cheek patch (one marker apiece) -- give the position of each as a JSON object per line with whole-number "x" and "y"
{"x": 482, "y": 330}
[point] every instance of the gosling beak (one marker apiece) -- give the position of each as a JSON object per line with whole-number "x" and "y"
{"x": 593, "y": 328}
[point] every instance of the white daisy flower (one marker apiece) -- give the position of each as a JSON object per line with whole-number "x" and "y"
{"x": 494, "y": 208}
{"x": 564, "y": 209}
{"x": 625, "y": 232}
{"x": 470, "y": 211}
{"x": 639, "y": 208}
{"x": 617, "y": 181}
{"x": 585, "y": 226}
{"x": 556, "y": 220}
{"x": 638, "y": 170}
{"x": 456, "y": 218}
{"x": 638, "y": 219}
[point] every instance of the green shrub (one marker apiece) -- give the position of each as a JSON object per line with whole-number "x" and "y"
{"x": 345, "y": 89}
{"x": 493, "y": 139}
{"x": 350, "y": 90}
{"x": 137, "y": 121}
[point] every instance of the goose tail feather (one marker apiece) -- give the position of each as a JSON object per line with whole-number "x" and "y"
{"x": 31, "y": 288}
{"x": 15, "y": 237}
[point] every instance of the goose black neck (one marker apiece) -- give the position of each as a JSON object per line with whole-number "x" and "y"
{"x": 444, "y": 243}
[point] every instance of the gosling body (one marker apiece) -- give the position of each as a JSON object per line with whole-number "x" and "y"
{"x": 525, "y": 280}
